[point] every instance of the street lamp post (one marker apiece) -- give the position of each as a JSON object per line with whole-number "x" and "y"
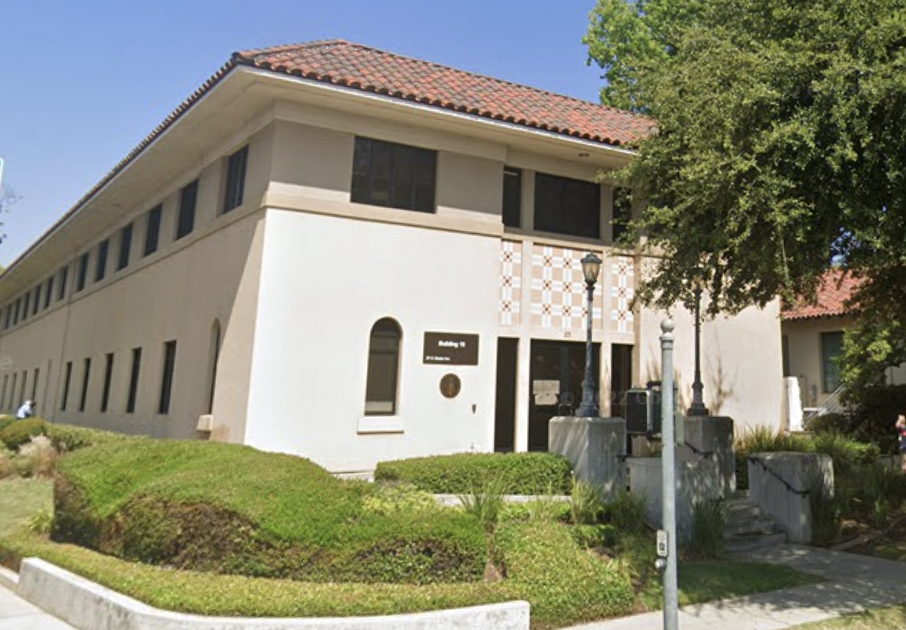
{"x": 591, "y": 265}
{"x": 697, "y": 408}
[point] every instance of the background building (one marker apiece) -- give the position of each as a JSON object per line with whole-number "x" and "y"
{"x": 350, "y": 255}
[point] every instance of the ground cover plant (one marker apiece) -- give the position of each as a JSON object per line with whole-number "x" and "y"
{"x": 462, "y": 473}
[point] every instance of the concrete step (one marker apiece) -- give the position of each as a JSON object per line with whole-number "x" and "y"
{"x": 741, "y": 511}
{"x": 757, "y": 525}
{"x": 750, "y": 542}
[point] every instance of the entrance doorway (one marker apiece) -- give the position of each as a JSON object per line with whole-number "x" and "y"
{"x": 557, "y": 371}
{"x": 505, "y": 405}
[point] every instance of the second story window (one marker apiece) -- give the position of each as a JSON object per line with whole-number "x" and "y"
{"x": 188, "y": 197}
{"x": 82, "y": 274}
{"x": 61, "y": 290}
{"x": 125, "y": 247}
{"x": 48, "y": 292}
{"x": 393, "y": 175}
{"x": 234, "y": 192}
{"x": 512, "y": 197}
{"x": 152, "y": 230}
{"x": 36, "y": 300}
{"x": 567, "y": 206}
{"x": 100, "y": 269}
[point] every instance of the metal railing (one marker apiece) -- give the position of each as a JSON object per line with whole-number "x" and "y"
{"x": 766, "y": 468}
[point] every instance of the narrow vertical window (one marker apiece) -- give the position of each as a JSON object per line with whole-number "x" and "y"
{"x": 133, "y": 380}
{"x": 212, "y": 368}
{"x": 383, "y": 368}
{"x": 82, "y": 272}
{"x": 86, "y": 377}
{"x": 188, "y": 197}
{"x": 100, "y": 268}
{"x": 12, "y": 391}
{"x": 26, "y": 300}
{"x": 9, "y": 316}
{"x": 16, "y": 315}
{"x": 831, "y": 349}
{"x": 48, "y": 292}
{"x": 67, "y": 379}
{"x": 34, "y": 384}
{"x": 234, "y": 192}
{"x": 125, "y": 247}
{"x": 512, "y": 197}
{"x": 3, "y": 391}
{"x": 152, "y": 230}
{"x": 108, "y": 377}
{"x": 22, "y": 388}
{"x": 61, "y": 290}
{"x": 36, "y": 300}
{"x": 166, "y": 381}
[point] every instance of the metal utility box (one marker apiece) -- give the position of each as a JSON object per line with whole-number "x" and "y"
{"x": 643, "y": 411}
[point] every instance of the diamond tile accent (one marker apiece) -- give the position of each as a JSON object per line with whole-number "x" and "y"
{"x": 558, "y": 290}
{"x": 510, "y": 283}
{"x": 621, "y": 293}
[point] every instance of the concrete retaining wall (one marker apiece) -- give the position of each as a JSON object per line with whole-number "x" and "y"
{"x": 787, "y": 501}
{"x": 695, "y": 481}
{"x": 595, "y": 447}
{"x": 89, "y": 606}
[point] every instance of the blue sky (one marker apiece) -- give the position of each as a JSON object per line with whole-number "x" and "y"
{"x": 85, "y": 81}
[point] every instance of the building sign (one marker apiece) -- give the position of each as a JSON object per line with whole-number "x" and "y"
{"x": 451, "y": 348}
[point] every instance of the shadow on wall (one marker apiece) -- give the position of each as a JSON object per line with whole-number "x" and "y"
{"x": 718, "y": 383}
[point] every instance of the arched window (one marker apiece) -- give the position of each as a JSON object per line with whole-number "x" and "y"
{"x": 383, "y": 368}
{"x": 213, "y": 357}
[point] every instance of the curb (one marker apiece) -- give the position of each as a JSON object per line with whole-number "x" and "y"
{"x": 84, "y": 604}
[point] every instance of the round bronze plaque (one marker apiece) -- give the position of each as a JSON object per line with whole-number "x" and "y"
{"x": 450, "y": 386}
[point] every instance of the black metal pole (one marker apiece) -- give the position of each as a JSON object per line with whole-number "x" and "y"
{"x": 697, "y": 408}
{"x": 589, "y": 406}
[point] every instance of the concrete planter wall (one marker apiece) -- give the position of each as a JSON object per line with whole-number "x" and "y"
{"x": 695, "y": 481}
{"x": 779, "y": 485}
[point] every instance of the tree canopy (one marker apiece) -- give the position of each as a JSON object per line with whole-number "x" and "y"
{"x": 780, "y": 150}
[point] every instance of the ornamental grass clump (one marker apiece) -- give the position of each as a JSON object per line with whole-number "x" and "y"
{"x": 709, "y": 522}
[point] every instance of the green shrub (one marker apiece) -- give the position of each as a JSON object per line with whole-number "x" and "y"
{"x": 486, "y": 503}
{"x": 563, "y": 583}
{"x": 398, "y": 497}
{"x": 826, "y": 512}
{"x": 544, "y": 507}
{"x": 521, "y": 473}
{"x": 709, "y": 522}
{"x": 67, "y": 438}
{"x": 586, "y": 503}
{"x": 870, "y": 491}
{"x": 21, "y": 432}
{"x": 5, "y": 421}
{"x": 627, "y": 512}
{"x": 829, "y": 423}
{"x": 846, "y": 452}
{"x": 600, "y": 535}
{"x": 232, "y": 509}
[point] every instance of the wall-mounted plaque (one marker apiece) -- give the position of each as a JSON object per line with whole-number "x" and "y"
{"x": 450, "y": 386}
{"x": 451, "y": 348}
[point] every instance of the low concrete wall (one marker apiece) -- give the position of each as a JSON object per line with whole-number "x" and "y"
{"x": 713, "y": 435}
{"x": 88, "y": 606}
{"x": 695, "y": 481}
{"x": 779, "y": 485}
{"x": 596, "y": 447}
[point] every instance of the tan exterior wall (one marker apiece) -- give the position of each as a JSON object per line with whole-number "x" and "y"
{"x": 804, "y": 343}
{"x": 740, "y": 364}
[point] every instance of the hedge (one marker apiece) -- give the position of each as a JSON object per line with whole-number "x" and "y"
{"x": 21, "y": 432}
{"x": 464, "y": 473}
{"x": 67, "y": 437}
{"x": 232, "y": 509}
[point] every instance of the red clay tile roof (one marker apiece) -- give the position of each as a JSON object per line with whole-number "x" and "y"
{"x": 371, "y": 70}
{"x": 833, "y": 292}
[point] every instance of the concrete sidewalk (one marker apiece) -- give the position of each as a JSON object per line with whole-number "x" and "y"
{"x": 18, "y": 614}
{"x": 854, "y": 583}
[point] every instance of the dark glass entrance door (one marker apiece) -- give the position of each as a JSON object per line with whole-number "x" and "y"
{"x": 555, "y": 389}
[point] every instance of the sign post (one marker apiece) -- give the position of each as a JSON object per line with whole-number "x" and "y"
{"x": 667, "y": 536}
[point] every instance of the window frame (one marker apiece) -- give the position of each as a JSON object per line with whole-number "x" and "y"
{"x": 100, "y": 264}
{"x": 234, "y": 179}
{"x": 67, "y": 382}
{"x": 86, "y": 380}
{"x": 185, "y": 217}
{"x": 391, "y": 328}
{"x": 152, "y": 230}
{"x": 830, "y": 373}
{"x": 168, "y": 372}
{"x": 134, "y": 375}
{"x": 366, "y": 171}
{"x": 108, "y": 380}
{"x": 559, "y": 219}
{"x": 125, "y": 250}
{"x": 82, "y": 272}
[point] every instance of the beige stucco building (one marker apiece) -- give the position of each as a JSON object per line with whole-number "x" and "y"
{"x": 349, "y": 255}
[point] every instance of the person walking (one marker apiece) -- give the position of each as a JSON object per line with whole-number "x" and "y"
{"x": 27, "y": 410}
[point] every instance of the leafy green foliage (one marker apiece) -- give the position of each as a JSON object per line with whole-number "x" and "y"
{"x": 66, "y": 438}
{"x": 626, "y": 511}
{"x": 485, "y": 503}
{"x": 5, "y": 421}
{"x": 228, "y": 508}
{"x": 564, "y": 583}
{"x": 709, "y": 522}
{"x": 827, "y": 514}
{"x": 22, "y": 431}
{"x": 520, "y": 473}
{"x": 586, "y": 503}
{"x": 780, "y": 148}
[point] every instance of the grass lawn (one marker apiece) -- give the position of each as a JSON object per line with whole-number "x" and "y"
{"x": 722, "y": 579}
{"x": 893, "y": 618}
{"x": 20, "y": 499}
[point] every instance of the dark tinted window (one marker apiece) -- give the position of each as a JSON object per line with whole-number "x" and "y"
{"x": 152, "y": 231}
{"x": 48, "y": 292}
{"x": 26, "y": 300}
{"x": 36, "y": 300}
{"x": 86, "y": 377}
{"x": 64, "y": 275}
{"x": 166, "y": 383}
{"x": 100, "y": 269}
{"x": 567, "y": 206}
{"x": 383, "y": 368}
{"x": 234, "y": 193}
{"x": 108, "y": 377}
{"x": 133, "y": 379}
{"x": 394, "y": 175}
{"x": 188, "y": 197}
{"x": 125, "y": 247}
{"x": 67, "y": 378}
{"x": 831, "y": 349}
{"x": 512, "y": 197}
{"x": 82, "y": 274}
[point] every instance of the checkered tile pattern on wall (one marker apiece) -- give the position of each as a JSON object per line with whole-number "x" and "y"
{"x": 558, "y": 290}
{"x": 510, "y": 283}
{"x": 621, "y": 293}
